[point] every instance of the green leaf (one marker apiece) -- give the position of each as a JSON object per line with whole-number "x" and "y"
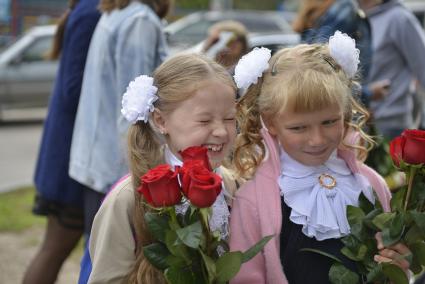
{"x": 321, "y": 253}
{"x": 368, "y": 220}
{"x": 419, "y": 218}
{"x": 365, "y": 204}
{"x": 418, "y": 251}
{"x": 175, "y": 261}
{"x": 157, "y": 254}
{"x": 191, "y": 235}
{"x": 397, "y": 199}
{"x": 413, "y": 235}
{"x": 339, "y": 274}
{"x": 175, "y": 246}
{"x": 415, "y": 265}
{"x": 382, "y": 220}
{"x": 228, "y": 266}
{"x": 357, "y": 255}
{"x": 209, "y": 266}
{"x": 397, "y": 226}
{"x": 359, "y": 231}
{"x": 350, "y": 241}
{"x": 189, "y": 216}
{"x": 395, "y": 273}
{"x": 374, "y": 273}
{"x": 157, "y": 225}
{"x": 355, "y": 215}
{"x": 250, "y": 253}
{"x": 387, "y": 239}
{"x": 175, "y": 275}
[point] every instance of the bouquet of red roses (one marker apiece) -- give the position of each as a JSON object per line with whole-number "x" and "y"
{"x": 185, "y": 248}
{"x": 405, "y": 223}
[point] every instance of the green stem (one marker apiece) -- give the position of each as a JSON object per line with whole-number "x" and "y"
{"x": 409, "y": 186}
{"x": 174, "y": 222}
{"x": 203, "y": 212}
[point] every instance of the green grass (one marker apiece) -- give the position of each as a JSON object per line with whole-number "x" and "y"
{"x": 15, "y": 210}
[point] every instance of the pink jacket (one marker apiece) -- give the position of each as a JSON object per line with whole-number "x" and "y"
{"x": 256, "y": 212}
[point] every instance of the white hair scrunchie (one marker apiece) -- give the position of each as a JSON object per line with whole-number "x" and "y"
{"x": 343, "y": 50}
{"x": 137, "y": 101}
{"x": 251, "y": 67}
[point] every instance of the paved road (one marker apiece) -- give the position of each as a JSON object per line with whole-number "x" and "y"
{"x": 19, "y": 144}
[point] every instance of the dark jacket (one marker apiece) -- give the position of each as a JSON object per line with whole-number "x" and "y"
{"x": 51, "y": 176}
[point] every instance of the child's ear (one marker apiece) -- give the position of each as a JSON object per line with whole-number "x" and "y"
{"x": 159, "y": 121}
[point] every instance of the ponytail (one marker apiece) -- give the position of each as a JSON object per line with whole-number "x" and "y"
{"x": 144, "y": 152}
{"x": 56, "y": 48}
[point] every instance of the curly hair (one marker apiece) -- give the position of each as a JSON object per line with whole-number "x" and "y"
{"x": 303, "y": 78}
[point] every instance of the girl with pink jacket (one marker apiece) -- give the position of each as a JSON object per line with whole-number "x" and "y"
{"x": 301, "y": 148}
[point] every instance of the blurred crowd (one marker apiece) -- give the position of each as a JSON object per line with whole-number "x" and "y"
{"x": 103, "y": 45}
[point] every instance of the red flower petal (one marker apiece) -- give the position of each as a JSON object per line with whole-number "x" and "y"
{"x": 414, "y": 146}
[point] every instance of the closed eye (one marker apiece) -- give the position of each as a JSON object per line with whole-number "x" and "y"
{"x": 297, "y": 128}
{"x": 330, "y": 122}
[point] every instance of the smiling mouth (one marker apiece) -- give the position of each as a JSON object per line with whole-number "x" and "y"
{"x": 214, "y": 148}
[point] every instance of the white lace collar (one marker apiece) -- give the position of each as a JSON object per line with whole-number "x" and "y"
{"x": 219, "y": 220}
{"x": 319, "y": 195}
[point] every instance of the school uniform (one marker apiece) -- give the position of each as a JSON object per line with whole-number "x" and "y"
{"x": 257, "y": 212}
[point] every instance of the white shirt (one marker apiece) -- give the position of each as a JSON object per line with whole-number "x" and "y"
{"x": 319, "y": 195}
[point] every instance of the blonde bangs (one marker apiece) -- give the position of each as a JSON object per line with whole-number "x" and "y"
{"x": 314, "y": 90}
{"x": 302, "y": 91}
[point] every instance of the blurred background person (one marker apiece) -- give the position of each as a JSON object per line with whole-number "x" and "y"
{"x": 317, "y": 20}
{"x": 226, "y": 43}
{"x": 128, "y": 41}
{"x": 398, "y": 59}
{"x": 59, "y": 197}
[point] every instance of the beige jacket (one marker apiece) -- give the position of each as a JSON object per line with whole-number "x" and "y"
{"x": 112, "y": 241}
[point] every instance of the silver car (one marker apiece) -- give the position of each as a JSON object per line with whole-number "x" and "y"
{"x": 193, "y": 28}
{"x": 26, "y": 76}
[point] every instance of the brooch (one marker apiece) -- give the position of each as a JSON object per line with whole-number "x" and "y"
{"x": 327, "y": 181}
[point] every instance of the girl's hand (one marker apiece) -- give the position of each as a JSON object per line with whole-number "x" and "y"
{"x": 396, "y": 254}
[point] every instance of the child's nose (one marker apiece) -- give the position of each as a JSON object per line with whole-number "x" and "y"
{"x": 220, "y": 129}
{"x": 316, "y": 137}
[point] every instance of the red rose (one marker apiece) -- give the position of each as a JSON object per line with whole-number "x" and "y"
{"x": 409, "y": 147}
{"x": 160, "y": 187}
{"x": 200, "y": 185}
{"x": 196, "y": 153}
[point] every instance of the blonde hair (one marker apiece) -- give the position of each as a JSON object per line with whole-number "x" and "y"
{"x": 177, "y": 79}
{"x": 302, "y": 78}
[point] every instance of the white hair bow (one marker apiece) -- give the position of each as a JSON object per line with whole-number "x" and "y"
{"x": 137, "y": 101}
{"x": 343, "y": 50}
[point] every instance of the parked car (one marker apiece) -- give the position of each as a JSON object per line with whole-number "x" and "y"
{"x": 26, "y": 76}
{"x": 274, "y": 42}
{"x": 193, "y": 28}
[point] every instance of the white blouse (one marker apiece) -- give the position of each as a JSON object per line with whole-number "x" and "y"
{"x": 219, "y": 219}
{"x": 319, "y": 195}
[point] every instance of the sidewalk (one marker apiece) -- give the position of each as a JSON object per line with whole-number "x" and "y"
{"x": 18, "y": 249}
{"x": 19, "y": 144}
